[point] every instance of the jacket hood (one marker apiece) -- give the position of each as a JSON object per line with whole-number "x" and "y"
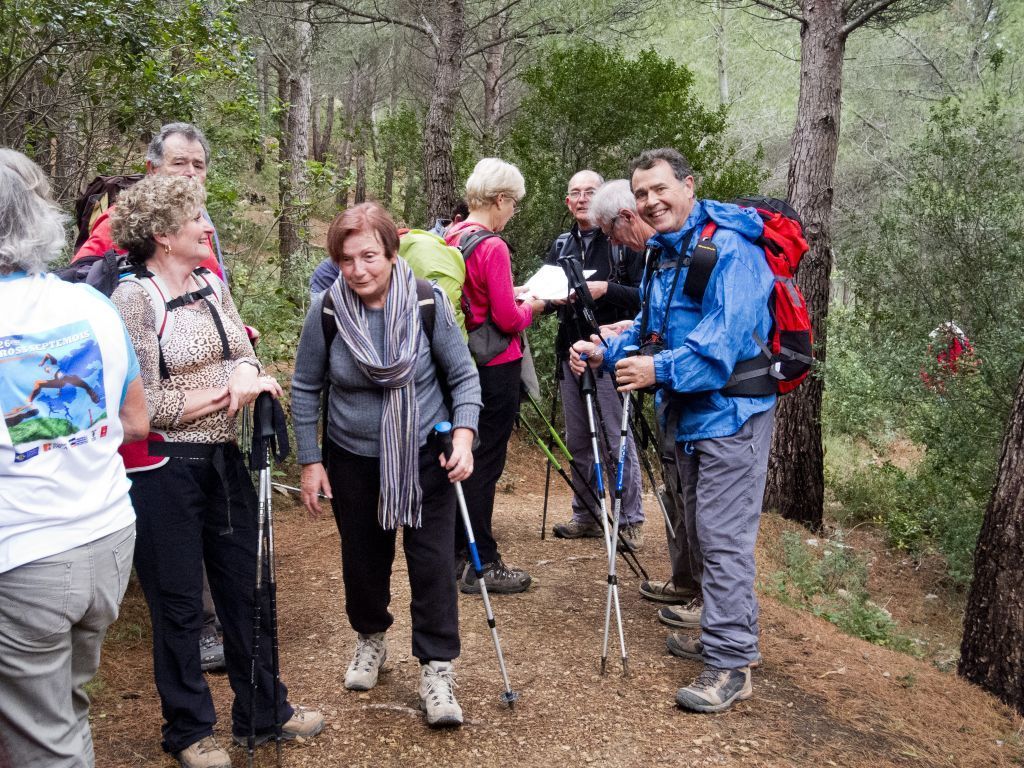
{"x": 745, "y": 221}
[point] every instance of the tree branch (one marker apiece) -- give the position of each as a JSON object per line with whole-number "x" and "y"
{"x": 865, "y": 16}
{"x": 779, "y": 10}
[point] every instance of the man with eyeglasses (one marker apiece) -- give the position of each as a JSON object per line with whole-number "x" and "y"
{"x": 614, "y": 287}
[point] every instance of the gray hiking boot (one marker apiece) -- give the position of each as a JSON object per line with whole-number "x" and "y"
{"x": 500, "y": 579}
{"x": 211, "y": 652}
{"x": 687, "y": 646}
{"x": 715, "y": 690}
{"x": 437, "y": 695}
{"x": 665, "y": 592}
{"x": 205, "y": 753}
{"x": 685, "y": 616}
{"x": 575, "y": 529}
{"x": 370, "y": 655}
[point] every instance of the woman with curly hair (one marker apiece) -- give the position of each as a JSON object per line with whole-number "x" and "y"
{"x": 197, "y": 504}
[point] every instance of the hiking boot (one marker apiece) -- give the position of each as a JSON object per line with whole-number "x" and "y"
{"x": 665, "y": 592}
{"x": 370, "y": 655}
{"x": 632, "y": 536}
{"x": 211, "y": 653}
{"x": 574, "y": 529}
{"x": 685, "y": 616}
{"x": 687, "y": 646}
{"x": 304, "y": 724}
{"x": 500, "y": 579}
{"x": 437, "y": 695}
{"x": 715, "y": 690}
{"x": 205, "y": 753}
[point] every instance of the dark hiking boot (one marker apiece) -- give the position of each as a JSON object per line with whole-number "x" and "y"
{"x": 632, "y": 537}
{"x": 715, "y": 690}
{"x": 684, "y": 616}
{"x": 687, "y": 646}
{"x": 500, "y": 579}
{"x": 574, "y": 529}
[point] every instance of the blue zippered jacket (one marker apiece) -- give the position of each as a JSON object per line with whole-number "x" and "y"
{"x": 704, "y": 342}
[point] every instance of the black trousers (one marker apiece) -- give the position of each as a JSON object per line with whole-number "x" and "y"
{"x": 499, "y": 388}
{"x": 189, "y": 513}
{"x": 368, "y": 552}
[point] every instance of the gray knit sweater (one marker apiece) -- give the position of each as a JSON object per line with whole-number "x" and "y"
{"x": 355, "y": 403}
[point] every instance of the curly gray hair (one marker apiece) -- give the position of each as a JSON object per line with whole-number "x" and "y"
{"x": 31, "y": 228}
{"x": 157, "y": 205}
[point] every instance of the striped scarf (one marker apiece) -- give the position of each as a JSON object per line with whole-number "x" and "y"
{"x": 399, "y": 500}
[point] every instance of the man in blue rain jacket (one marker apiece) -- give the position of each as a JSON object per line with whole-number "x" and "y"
{"x": 689, "y": 351}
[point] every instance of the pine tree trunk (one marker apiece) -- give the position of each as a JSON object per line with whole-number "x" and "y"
{"x": 494, "y": 63}
{"x": 295, "y": 150}
{"x": 992, "y": 650}
{"x": 437, "y": 132}
{"x": 723, "y": 50}
{"x": 796, "y": 479}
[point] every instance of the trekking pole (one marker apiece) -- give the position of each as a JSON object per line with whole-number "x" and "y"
{"x": 588, "y": 390}
{"x": 624, "y": 551}
{"x": 613, "y": 583}
{"x": 547, "y": 473}
{"x": 263, "y": 432}
{"x": 443, "y": 435}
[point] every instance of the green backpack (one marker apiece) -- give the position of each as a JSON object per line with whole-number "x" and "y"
{"x": 434, "y": 260}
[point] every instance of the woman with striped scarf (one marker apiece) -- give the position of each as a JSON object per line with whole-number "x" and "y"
{"x": 381, "y": 473}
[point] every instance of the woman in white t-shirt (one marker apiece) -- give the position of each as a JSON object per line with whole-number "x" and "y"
{"x": 69, "y": 392}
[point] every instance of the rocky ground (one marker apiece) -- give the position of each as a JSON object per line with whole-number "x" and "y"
{"x": 821, "y": 698}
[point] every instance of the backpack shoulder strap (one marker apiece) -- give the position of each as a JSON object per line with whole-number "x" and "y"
{"x": 702, "y": 264}
{"x": 470, "y": 241}
{"x": 327, "y": 323}
{"x": 561, "y": 241}
{"x": 158, "y": 294}
{"x": 425, "y": 299}
{"x": 206, "y": 277}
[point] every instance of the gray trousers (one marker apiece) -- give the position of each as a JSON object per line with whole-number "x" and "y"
{"x": 683, "y": 550}
{"x": 577, "y": 440}
{"x": 54, "y": 613}
{"x": 722, "y": 481}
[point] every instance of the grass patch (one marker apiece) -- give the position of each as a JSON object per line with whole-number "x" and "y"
{"x": 830, "y": 581}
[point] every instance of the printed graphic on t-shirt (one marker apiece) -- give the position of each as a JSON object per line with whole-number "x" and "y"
{"x": 51, "y": 390}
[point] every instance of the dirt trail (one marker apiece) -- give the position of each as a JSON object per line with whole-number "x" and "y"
{"x": 820, "y": 699}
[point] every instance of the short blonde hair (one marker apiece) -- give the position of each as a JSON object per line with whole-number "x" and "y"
{"x": 490, "y": 178}
{"x": 157, "y": 205}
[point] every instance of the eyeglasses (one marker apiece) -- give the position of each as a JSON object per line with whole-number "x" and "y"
{"x": 576, "y": 194}
{"x": 610, "y": 229}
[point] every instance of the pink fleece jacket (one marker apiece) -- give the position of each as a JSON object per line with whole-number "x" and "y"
{"x": 488, "y": 289}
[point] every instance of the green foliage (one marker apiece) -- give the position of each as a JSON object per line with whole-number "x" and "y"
{"x": 948, "y": 245}
{"x": 592, "y": 107}
{"x": 834, "y": 586}
{"x": 117, "y": 66}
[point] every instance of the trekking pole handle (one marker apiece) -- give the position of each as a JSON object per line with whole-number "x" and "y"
{"x": 442, "y": 434}
{"x": 632, "y": 350}
{"x": 264, "y": 408}
{"x": 587, "y": 384}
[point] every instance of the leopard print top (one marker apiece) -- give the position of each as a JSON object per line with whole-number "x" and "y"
{"x": 194, "y": 358}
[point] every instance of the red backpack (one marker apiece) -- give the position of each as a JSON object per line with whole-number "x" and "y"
{"x": 786, "y": 355}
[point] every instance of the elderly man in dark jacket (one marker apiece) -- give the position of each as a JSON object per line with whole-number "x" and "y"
{"x": 614, "y": 287}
